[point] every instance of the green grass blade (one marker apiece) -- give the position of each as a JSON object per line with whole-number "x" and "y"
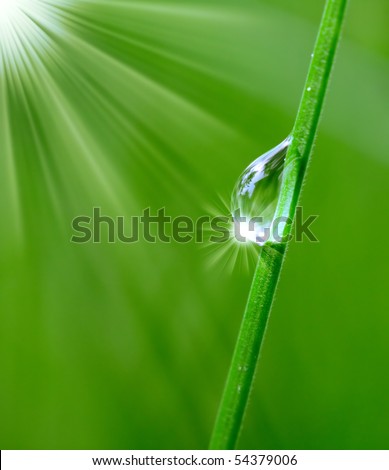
{"x": 247, "y": 348}
{"x": 305, "y": 127}
{"x": 240, "y": 377}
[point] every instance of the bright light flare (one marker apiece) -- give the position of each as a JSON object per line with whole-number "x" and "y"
{"x": 9, "y": 9}
{"x": 22, "y": 30}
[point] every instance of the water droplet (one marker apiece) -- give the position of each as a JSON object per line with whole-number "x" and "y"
{"x": 309, "y": 88}
{"x": 255, "y": 196}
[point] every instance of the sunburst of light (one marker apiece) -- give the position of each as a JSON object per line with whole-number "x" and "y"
{"x": 22, "y": 29}
{"x": 232, "y": 253}
{"x": 62, "y": 112}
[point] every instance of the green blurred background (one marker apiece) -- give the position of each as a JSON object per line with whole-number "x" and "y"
{"x": 133, "y": 104}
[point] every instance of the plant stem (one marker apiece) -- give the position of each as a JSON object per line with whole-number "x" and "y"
{"x": 240, "y": 377}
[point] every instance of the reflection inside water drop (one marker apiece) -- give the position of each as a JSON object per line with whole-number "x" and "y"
{"x": 255, "y": 196}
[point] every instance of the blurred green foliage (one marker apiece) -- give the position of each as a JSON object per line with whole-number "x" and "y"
{"x": 162, "y": 104}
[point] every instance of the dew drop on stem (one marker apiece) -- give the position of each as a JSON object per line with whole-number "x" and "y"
{"x": 255, "y": 196}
